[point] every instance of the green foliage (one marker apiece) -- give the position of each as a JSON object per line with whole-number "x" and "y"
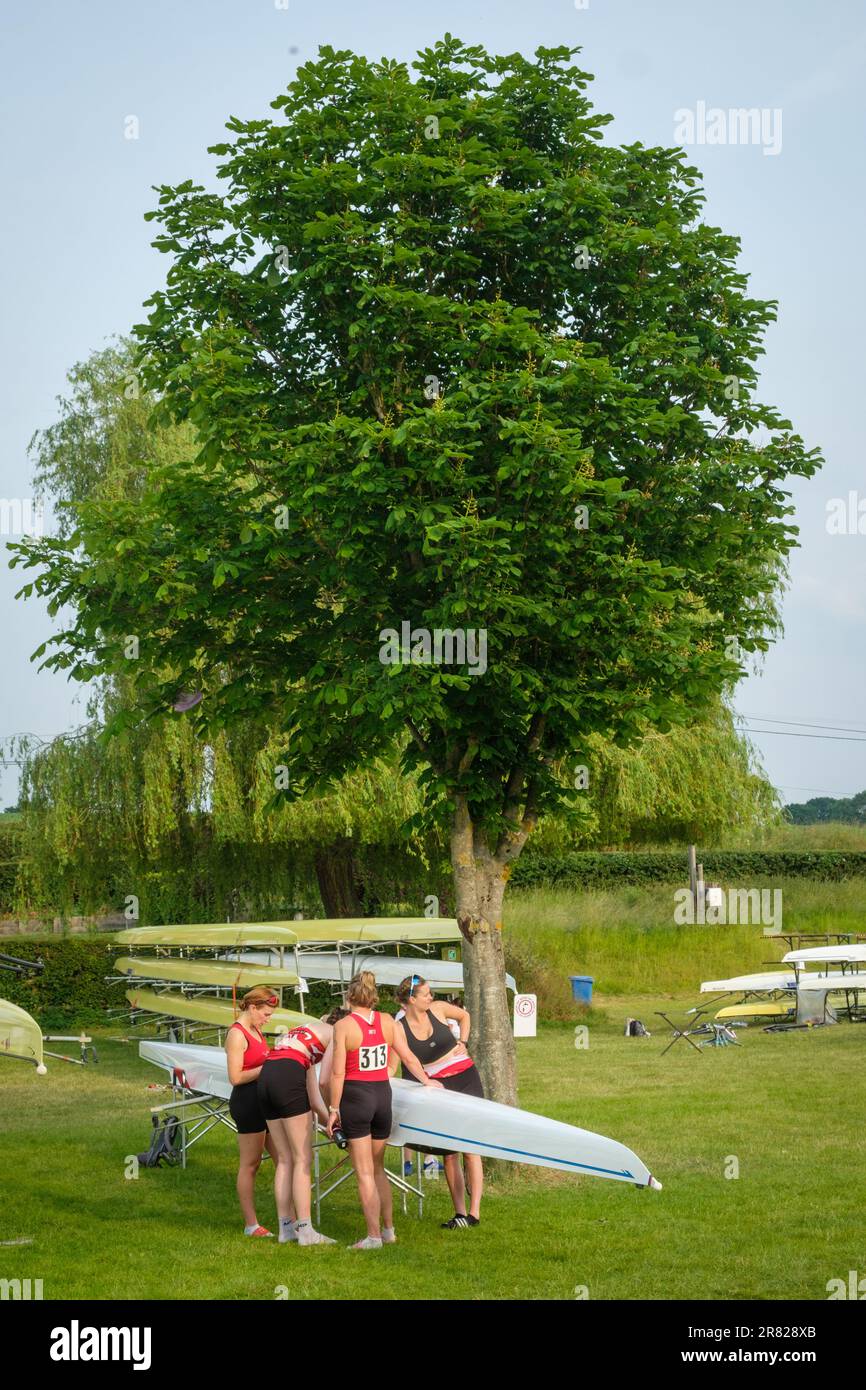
{"x": 346, "y": 262}
{"x": 584, "y": 870}
{"x": 849, "y": 810}
{"x": 10, "y": 859}
{"x": 72, "y": 988}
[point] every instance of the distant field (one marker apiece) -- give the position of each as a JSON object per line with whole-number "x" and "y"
{"x": 784, "y": 1107}
{"x": 628, "y": 940}
{"x": 833, "y": 835}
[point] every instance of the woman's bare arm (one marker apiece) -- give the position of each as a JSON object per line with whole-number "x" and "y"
{"x": 445, "y": 1011}
{"x": 235, "y": 1049}
{"x": 315, "y": 1096}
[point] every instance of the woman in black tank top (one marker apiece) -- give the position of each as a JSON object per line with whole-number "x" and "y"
{"x": 432, "y": 1049}
{"x": 445, "y": 1058}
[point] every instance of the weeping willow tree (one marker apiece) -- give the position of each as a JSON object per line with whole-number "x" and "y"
{"x": 149, "y": 804}
{"x": 191, "y": 830}
{"x": 691, "y": 784}
{"x": 158, "y": 824}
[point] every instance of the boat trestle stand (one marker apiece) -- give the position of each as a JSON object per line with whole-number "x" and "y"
{"x": 180, "y": 1123}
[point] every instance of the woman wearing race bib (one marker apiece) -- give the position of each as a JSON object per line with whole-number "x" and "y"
{"x": 288, "y": 1091}
{"x": 437, "y": 1034}
{"x": 246, "y": 1050}
{"x": 360, "y": 1093}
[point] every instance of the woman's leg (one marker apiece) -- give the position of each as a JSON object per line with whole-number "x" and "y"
{"x": 300, "y": 1132}
{"x": 475, "y": 1179}
{"x": 361, "y": 1154}
{"x": 250, "y": 1148}
{"x": 456, "y": 1185}
{"x": 383, "y": 1187}
{"x": 279, "y": 1134}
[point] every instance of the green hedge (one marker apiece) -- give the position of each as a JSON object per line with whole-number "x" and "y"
{"x": 71, "y": 989}
{"x": 583, "y": 870}
{"x": 10, "y": 854}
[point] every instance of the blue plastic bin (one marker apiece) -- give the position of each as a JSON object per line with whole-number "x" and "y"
{"x": 581, "y": 988}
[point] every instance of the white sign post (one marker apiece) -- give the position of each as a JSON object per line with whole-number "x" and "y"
{"x": 525, "y": 1015}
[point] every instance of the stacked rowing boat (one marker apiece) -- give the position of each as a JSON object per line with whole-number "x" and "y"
{"x": 181, "y": 965}
{"x": 796, "y": 992}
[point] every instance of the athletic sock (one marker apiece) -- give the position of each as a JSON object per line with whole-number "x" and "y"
{"x": 307, "y": 1235}
{"x": 389, "y": 1236}
{"x": 288, "y": 1230}
{"x": 368, "y": 1243}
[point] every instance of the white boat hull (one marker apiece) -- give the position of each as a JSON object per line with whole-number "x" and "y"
{"x": 763, "y": 982}
{"x": 447, "y": 1120}
{"x": 338, "y": 967}
{"x": 833, "y": 955}
{"x": 831, "y": 983}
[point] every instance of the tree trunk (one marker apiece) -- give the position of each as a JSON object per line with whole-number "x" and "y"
{"x": 480, "y": 880}
{"x": 339, "y": 886}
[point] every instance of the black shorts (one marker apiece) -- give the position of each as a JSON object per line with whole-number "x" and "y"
{"x": 365, "y": 1109}
{"x": 282, "y": 1087}
{"x": 245, "y": 1109}
{"x": 469, "y": 1082}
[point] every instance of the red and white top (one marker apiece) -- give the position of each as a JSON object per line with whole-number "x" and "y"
{"x": 256, "y": 1049}
{"x": 285, "y": 1047}
{"x": 369, "y": 1062}
{"x": 448, "y": 1066}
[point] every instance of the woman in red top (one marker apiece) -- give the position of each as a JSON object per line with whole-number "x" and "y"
{"x": 360, "y": 1095}
{"x": 246, "y": 1049}
{"x": 288, "y": 1091}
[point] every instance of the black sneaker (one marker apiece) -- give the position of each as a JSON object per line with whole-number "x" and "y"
{"x": 474, "y": 1220}
{"x": 456, "y": 1223}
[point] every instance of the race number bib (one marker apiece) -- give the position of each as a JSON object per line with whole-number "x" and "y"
{"x": 373, "y": 1058}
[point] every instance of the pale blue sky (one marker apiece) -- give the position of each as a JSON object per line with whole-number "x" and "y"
{"x": 76, "y": 264}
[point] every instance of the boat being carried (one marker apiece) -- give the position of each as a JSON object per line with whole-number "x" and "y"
{"x": 444, "y": 1119}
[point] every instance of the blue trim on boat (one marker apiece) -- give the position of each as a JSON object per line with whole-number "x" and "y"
{"x": 524, "y": 1153}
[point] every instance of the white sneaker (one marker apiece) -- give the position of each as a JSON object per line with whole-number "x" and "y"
{"x": 307, "y": 1236}
{"x": 431, "y": 1169}
{"x": 368, "y": 1243}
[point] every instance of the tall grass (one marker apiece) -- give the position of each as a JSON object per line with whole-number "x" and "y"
{"x": 628, "y": 941}
{"x": 833, "y": 835}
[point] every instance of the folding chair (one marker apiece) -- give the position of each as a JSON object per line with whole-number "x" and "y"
{"x": 702, "y": 1030}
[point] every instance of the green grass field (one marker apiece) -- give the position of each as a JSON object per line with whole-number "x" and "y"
{"x": 787, "y": 1107}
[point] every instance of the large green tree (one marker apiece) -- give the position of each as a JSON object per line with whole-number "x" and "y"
{"x": 454, "y": 362}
